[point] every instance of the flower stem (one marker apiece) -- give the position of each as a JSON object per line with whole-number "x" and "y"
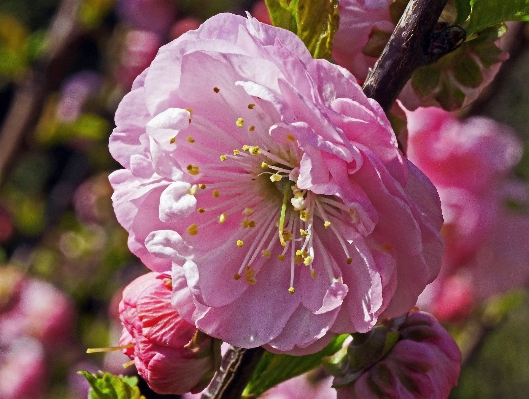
{"x": 236, "y": 369}
{"x": 411, "y": 45}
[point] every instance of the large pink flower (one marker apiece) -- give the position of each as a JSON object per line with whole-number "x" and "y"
{"x": 167, "y": 351}
{"x": 273, "y": 188}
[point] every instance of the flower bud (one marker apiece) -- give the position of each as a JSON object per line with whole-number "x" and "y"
{"x": 169, "y": 353}
{"x": 412, "y": 357}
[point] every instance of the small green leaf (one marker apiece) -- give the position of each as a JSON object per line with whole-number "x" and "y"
{"x": 487, "y": 13}
{"x": 107, "y": 386}
{"x": 450, "y": 97}
{"x": 317, "y": 21}
{"x": 425, "y": 79}
{"x": 314, "y": 21}
{"x": 468, "y": 73}
{"x": 463, "y": 10}
{"x": 274, "y": 369}
{"x": 282, "y": 14}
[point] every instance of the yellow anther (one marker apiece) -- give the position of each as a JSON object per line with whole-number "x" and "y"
{"x": 251, "y": 128}
{"x": 222, "y": 218}
{"x": 216, "y": 89}
{"x": 193, "y": 189}
{"x": 223, "y": 157}
{"x": 201, "y": 210}
{"x": 307, "y": 261}
{"x": 304, "y": 215}
{"x": 245, "y": 147}
{"x": 193, "y": 169}
{"x": 239, "y": 122}
{"x": 245, "y": 223}
{"x": 191, "y": 139}
{"x": 240, "y": 243}
{"x": 313, "y": 274}
{"x": 349, "y": 261}
{"x": 236, "y": 152}
{"x": 248, "y": 211}
{"x": 304, "y": 233}
{"x": 250, "y": 106}
{"x": 249, "y": 275}
{"x": 298, "y": 260}
{"x": 326, "y": 224}
{"x": 291, "y": 290}
{"x": 216, "y": 193}
{"x": 202, "y": 186}
{"x": 251, "y": 224}
{"x": 255, "y": 150}
{"x": 291, "y": 137}
{"x": 264, "y": 165}
{"x": 352, "y": 212}
{"x": 266, "y": 253}
{"x": 287, "y": 236}
{"x": 192, "y": 230}
{"x": 190, "y": 110}
{"x": 237, "y": 276}
{"x": 281, "y": 257}
{"x": 172, "y": 141}
{"x": 275, "y": 177}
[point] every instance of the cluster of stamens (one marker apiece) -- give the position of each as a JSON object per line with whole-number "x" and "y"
{"x": 253, "y": 183}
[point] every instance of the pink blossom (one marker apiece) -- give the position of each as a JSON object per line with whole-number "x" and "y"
{"x": 359, "y": 19}
{"x": 36, "y": 308}
{"x": 423, "y": 364}
{"x": 74, "y": 92}
{"x": 139, "y": 50}
{"x": 272, "y": 187}
{"x": 23, "y": 369}
{"x": 153, "y": 15}
{"x": 168, "y": 352}
{"x": 486, "y": 250}
{"x": 302, "y": 387}
{"x": 182, "y": 26}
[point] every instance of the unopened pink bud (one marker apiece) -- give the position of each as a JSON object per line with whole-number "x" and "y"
{"x": 169, "y": 353}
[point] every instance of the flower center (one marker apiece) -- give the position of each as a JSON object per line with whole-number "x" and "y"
{"x": 256, "y": 185}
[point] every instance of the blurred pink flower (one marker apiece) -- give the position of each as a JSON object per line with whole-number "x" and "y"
{"x": 423, "y": 364}
{"x": 139, "y": 50}
{"x": 487, "y": 249}
{"x": 272, "y": 187}
{"x": 153, "y": 15}
{"x": 182, "y": 26}
{"x": 23, "y": 369}
{"x": 74, "y": 92}
{"x": 168, "y": 352}
{"x": 40, "y": 310}
{"x": 302, "y": 387}
{"x": 260, "y": 12}
{"x": 359, "y": 21}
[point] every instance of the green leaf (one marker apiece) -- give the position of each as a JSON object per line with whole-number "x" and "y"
{"x": 107, "y": 386}
{"x": 487, "y": 13}
{"x": 468, "y": 73}
{"x": 282, "y": 14}
{"x": 463, "y": 10}
{"x": 425, "y": 79}
{"x": 274, "y": 369}
{"x": 314, "y": 21}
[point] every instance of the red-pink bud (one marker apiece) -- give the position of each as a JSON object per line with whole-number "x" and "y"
{"x": 169, "y": 353}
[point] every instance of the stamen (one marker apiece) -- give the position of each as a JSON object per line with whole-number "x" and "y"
{"x": 275, "y": 177}
{"x": 240, "y": 122}
{"x": 240, "y": 243}
{"x": 251, "y": 106}
{"x": 286, "y": 195}
{"x": 192, "y": 230}
{"x": 193, "y": 189}
{"x": 109, "y": 348}
{"x": 216, "y": 89}
{"x": 191, "y": 139}
{"x": 222, "y": 218}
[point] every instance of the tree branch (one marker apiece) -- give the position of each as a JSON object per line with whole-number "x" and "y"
{"x": 236, "y": 369}
{"x": 412, "y": 44}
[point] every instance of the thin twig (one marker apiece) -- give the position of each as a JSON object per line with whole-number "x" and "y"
{"x": 27, "y": 103}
